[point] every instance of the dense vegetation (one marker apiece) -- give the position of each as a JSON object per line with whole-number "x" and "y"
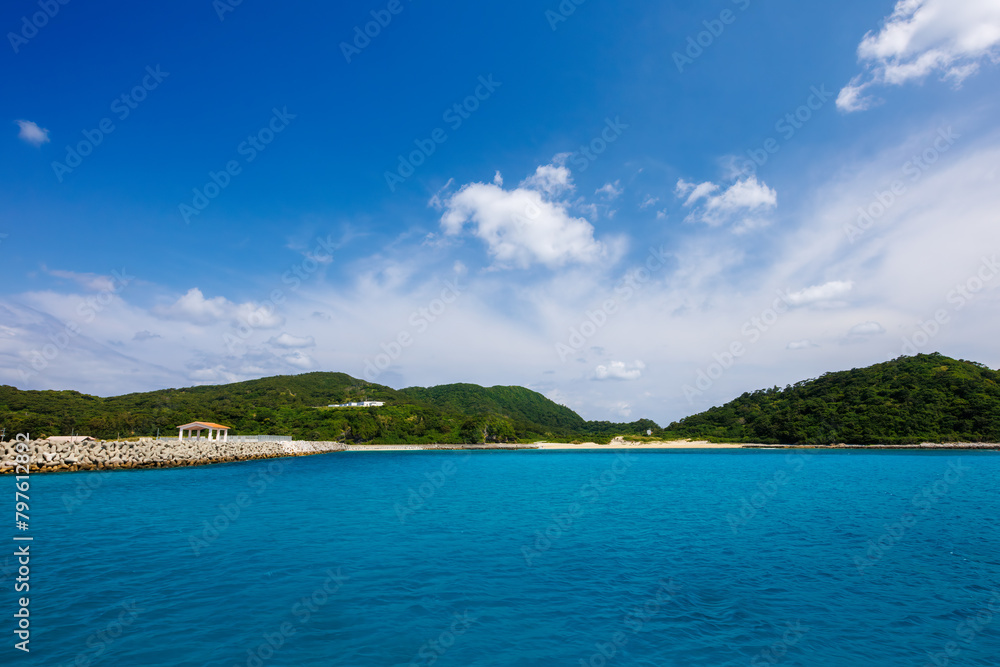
{"x": 912, "y": 399}
{"x": 295, "y": 405}
{"x": 928, "y": 397}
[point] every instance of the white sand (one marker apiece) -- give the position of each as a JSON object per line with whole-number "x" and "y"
{"x": 619, "y": 443}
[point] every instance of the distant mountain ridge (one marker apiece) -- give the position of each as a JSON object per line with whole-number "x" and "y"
{"x": 296, "y": 405}
{"x": 928, "y": 397}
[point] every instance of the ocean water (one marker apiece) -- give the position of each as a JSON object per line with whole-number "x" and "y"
{"x": 722, "y": 557}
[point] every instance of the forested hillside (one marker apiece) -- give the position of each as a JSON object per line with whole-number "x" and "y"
{"x": 296, "y": 405}
{"x": 928, "y": 397}
{"x": 911, "y": 399}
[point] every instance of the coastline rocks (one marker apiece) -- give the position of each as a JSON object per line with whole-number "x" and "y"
{"x": 938, "y": 446}
{"x": 45, "y": 456}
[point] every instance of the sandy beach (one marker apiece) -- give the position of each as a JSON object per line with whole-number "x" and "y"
{"x": 48, "y": 456}
{"x": 618, "y": 443}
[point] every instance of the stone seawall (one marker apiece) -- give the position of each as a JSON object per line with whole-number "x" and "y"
{"x": 46, "y": 456}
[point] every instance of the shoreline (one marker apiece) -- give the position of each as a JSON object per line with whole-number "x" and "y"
{"x": 47, "y": 457}
{"x": 618, "y": 443}
{"x": 923, "y": 446}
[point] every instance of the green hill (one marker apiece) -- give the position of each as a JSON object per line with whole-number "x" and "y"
{"x": 912, "y": 399}
{"x": 928, "y": 397}
{"x": 296, "y": 405}
{"x": 518, "y": 403}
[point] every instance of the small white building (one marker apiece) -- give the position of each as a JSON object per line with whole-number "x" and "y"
{"x": 214, "y": 431}
{"x": 362, "y": 404}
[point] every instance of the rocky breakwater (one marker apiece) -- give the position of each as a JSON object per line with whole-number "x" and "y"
{"x": 46, "y": 456}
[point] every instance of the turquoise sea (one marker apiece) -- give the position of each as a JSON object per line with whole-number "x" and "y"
{"x": 724, "y": 557}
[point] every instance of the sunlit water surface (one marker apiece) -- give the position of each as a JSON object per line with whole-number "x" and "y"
{"x": 522, "y": 558}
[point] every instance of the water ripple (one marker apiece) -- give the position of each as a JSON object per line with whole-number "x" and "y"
{"x": 523, "y": 559}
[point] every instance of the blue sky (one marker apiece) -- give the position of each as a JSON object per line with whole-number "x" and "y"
{"x": 265, "y": 192}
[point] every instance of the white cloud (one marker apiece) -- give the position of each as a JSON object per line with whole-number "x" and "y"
{"x": 851, "y": 97}
{"x": 694, "y": 192}
{"x": 91, "y": 281}
{"x": 560, "y": 159}
{"x": 195, "y": 308}
{"x": 740, "y": 202}
{"x": 610, "y": 190}
{"x": 744, "y": 194}
{"x": 551, "y": 179}
{"x": 525, "y": 225}
{"x": 649, "y": 201}
{"x": 866, "y": 329}
{"x": 438, "y": 203}
{"x": 288, "y": 341}
{"x": 818, "y": 293}
{"x": 502, "y": 329}
{"x": 215, "y": 375}
{"x": 300, "y": 360}
{"x": 259, "y": 317}
{"x": 31, "y": 133}
{"x": 923, "y": 37}
{"x": 619, "y": 370}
